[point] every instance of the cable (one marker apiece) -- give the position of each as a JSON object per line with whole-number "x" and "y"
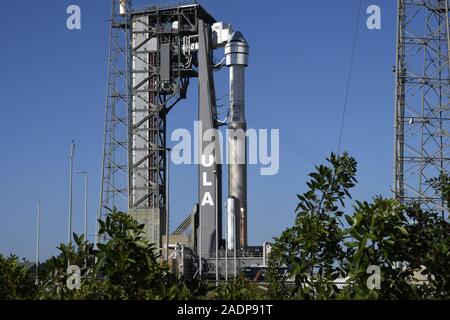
{"x": 295, "y": 145}
{"x": 349, "y": 77}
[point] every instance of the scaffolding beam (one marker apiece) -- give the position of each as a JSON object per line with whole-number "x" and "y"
{"x": 421, "y": 102}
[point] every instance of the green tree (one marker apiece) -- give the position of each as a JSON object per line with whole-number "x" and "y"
{"x": 396, "y": 240}
{"x": 16, "y": 281}
{"x": 53, "y": 272}
{"x": 377, "y": 237}
{"x": 238, "y": 289}
{"x": 428, "y": 249}
{"x": 312, "y": 248}
{"x": 126, "y": 266}
{"x": 127, "y": 262}
{"x": 441, "y": 186}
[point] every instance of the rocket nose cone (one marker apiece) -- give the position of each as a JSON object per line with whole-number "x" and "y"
{"x": 237, "y": 37}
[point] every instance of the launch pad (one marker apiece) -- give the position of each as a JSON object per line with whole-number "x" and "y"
{"x": 155, "y": 52}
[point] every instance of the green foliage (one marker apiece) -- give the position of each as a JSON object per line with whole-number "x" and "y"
{"x": 378, "y": 235}
{"x": 124, "y": 267}
{"x": 53, "y": 272}
{"x": 16, "y": 282}
{"x": 429, "y": 246}
{"x": 277, "y": 289}
{"x": 313, "y": 246}
{"x": 321, "y": 249}
{"x": 327, "y": 243}
{"x": 441, "y": 186}
{"x": 237, "y": 289}
{"x": 129, "y": 265}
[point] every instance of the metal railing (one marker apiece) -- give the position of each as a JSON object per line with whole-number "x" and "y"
{"x": 162, "y": 6}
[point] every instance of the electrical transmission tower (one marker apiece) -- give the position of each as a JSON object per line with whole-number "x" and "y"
{"x": 114, "y": 180}
{"x": 422, "y": 101}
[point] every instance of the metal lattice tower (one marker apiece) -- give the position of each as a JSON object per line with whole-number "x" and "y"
{"x": 162, "y": 66}
{"x": 422, "y": 101}
{"x": 114, "y": 179}
{"x": 153, "y": 55}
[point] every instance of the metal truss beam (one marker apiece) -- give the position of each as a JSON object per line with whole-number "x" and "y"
{"x": 422, "y": 101}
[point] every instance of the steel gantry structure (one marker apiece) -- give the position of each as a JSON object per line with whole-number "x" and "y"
{"x": 163, "y": 43}
{"x": 154, "y": 52}
{"x": 422, "y": 101}
{"x": 115, "y": 170}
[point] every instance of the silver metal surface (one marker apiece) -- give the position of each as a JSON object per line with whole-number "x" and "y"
{"x": 160, "y": 74}
{"x": 236, "y": 53}
{"x": 115, "y": 171}
{"x": 237, "y": 50}
{"x": 231, "y": 222}
{"x": 123, "y": 7}
{"x": 154, "y": 52}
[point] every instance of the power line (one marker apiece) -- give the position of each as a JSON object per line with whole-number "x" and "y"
{"x": 349, "y": 76}
{"x": 295, "y": 145}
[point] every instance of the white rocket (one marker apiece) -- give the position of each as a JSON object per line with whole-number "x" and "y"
{"x": 236, "y": 55}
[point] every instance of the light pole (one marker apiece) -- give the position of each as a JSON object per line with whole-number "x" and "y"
{"x": 37, "y": 239}
{"x": 72, "y": 154}
{"x": 167, "y": 202}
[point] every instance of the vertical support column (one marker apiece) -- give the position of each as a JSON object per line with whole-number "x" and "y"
{"x": 209, "y": 153}
{"x": 399, "y": 102}
{"x": 422, "y": 99}
{"x": 147, "y": 151}
{"x": 115, "y": 179}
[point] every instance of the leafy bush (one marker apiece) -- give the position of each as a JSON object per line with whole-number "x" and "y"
{"x": 237, "y": 289}
{"x": 124, "y": 267}
{"x": 321, "y": 249}
{"x": 327, "y": 243}
{"x": 16, "y": 282}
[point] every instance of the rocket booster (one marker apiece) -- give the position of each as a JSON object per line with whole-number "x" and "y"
{"x": 236, "y": 55}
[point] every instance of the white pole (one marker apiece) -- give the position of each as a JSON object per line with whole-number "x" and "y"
{"x": 234, "y": 240}
{"x": 226, "y": 251}
{"x": 167, "y": 203}
{"x": 200, "y": 240}
{"x": 37, "y": 240}
{"x": 217, "y": 227}
{"x": 85, "y": 213}
{"x": 72, "y": 153}
{"x": 85, "y": 205}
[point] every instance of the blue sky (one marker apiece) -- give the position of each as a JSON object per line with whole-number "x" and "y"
{"x": 53, "y": 82}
